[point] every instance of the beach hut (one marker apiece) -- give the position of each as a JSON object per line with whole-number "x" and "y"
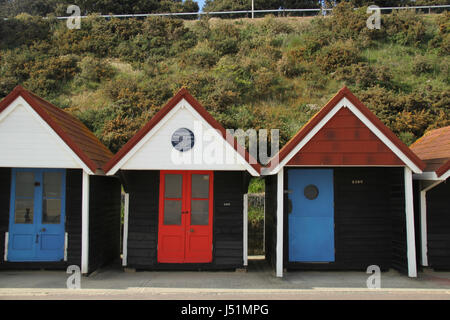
{"x": 185, "y": 179}
{"x": 339, "y": 194}
{"x": 56, "y": 207}
{"x": 433, "y": 198}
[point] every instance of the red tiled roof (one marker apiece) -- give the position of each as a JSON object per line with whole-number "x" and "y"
{"x": 434, "y": 149}
{"x": 71, "y": 130}
{"x": 346, "y": 93}
{"x": 182, "y": 94}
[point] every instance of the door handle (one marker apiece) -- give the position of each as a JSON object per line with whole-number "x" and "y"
{"x": 37, "y": 238}
{"x": 192, "y": 230}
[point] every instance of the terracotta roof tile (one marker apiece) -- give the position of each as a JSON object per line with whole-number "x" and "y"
{"x": 434, "y": 148}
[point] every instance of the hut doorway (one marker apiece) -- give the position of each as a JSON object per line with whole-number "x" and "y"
{"x": 311, "y": 215}
{"x": 37, "y": 214}
{"x": 185, "y": 228}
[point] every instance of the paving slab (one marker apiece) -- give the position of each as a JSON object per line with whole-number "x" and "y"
{"x": 258, "y": 283}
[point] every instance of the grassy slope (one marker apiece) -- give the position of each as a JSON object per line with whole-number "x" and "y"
{"x": 293, "y": 101}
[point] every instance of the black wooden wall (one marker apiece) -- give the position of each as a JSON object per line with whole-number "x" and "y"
{"x": 143, "y": 187}
{"x": 397, "y": 211}
{"x": 5, "y": 189}
{"x": 229, "y": 187}
{"x": 104, "y": 221}
{"x": 73, "y": 215}
{"x": 438, "y": 226}
{"x": 271, "y": 219}
{"x": 370, "y": 224}
{"x": 73, "y": 222}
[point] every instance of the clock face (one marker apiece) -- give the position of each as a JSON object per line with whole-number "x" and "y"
{"x": 183, "y": 139}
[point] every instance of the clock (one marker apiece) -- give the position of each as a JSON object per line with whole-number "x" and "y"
{"x": 183, "y": 139}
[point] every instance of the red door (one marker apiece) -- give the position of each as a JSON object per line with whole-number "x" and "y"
{"x": 185, "y": 217}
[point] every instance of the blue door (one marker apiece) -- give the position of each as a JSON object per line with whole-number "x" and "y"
{"x": 37, "y": 215}
{"x": 311, "y": 215}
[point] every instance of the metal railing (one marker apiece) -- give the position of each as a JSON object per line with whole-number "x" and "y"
{"x": 248, "y": 12}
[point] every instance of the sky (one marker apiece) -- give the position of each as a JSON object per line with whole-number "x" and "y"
{"x": 200, "y": 3}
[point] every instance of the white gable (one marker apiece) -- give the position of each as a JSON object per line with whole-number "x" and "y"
{"x": 210, "y": 151}
{"x": 27, "y": 141}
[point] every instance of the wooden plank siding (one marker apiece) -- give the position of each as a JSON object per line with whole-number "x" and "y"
{"x": 5, "y": 189}
{"x": 104, "y": 221}
{"x": 143, "y": 187}
{"x": 398, "y": 216}
{"x": 370, "y": 227}
{"x": 271, "y": 219}
{"x": 438, "y": 226}
{"x": 73, "y": 222}
{"x": 73, "y": 215}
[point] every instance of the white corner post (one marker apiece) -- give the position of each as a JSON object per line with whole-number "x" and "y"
{"x": 126, "y": 208}
{"x": 245, "y": 253}
{"x": 85, "y": 224}
{"x": 423, "y": 227}
{"x": 5, "y": 258}
{"x": 280, "y": 211}
{"x": 410, "y": 236}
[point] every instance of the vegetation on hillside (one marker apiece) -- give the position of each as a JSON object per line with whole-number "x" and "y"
{"x": 115, "y": 74}
{"x": 10, "y": 8}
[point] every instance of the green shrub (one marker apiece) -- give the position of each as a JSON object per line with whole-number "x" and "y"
{"x": 47, "y": 76}
{"x": 291, "y": 67}
{"x": 202, "y": 55}
{"x": 23, "y": 30}
{"x": 364, "y": 75}
{"x": 118, "y": 131}
{"x": 405, "y": 27}
{"x": 338, "y": 54}
{"x": 94, "y": 69}
{"x": 7, "y": 84}
{"x": 421, "y": 65}
{"x": 224, "y": 38}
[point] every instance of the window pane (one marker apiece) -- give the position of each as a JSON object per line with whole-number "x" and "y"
{"x": 200, "y": 212}
{"x": 24, "y": 184}
{"x": 200, "y": 186}
{"x": 51, "y": 211}
{"x": 173, "y": 185}
{"x": 52, "y": 184}
{"x": 24, "y": 211}
{"x": 172, "y": 212}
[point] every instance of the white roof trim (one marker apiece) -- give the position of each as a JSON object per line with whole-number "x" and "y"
{"x": 445, "y": 175}
{"x": 183, "y": 103}
{"x": 345, "y": 103}
{"x": 428, "y": 175}
{"x": 20, "y": 101}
